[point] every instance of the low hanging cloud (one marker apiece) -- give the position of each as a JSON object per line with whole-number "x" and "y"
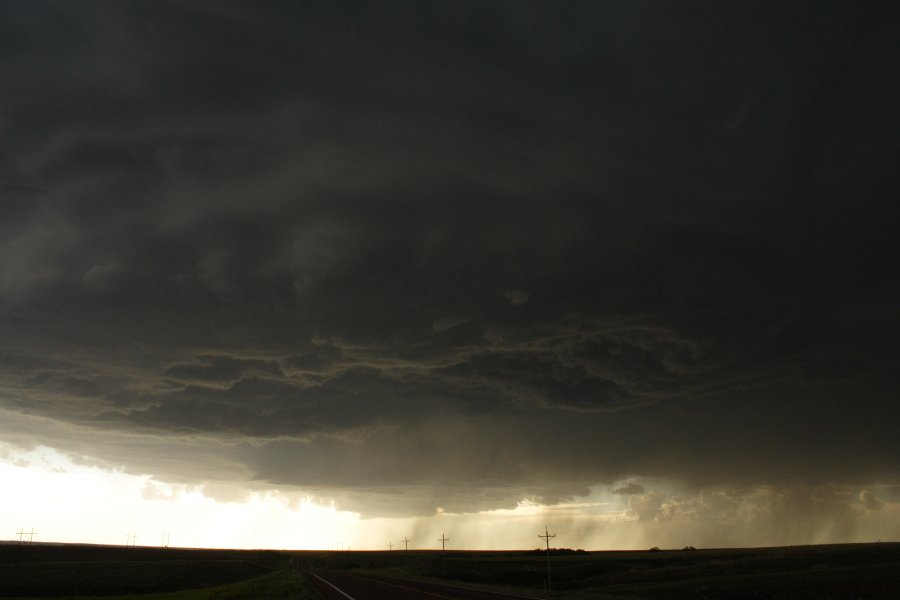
{"x": 630, "y": 489}
{"x": 783, "y": 515}
{"x": 870, "y": 500}
{"x": 276, "y": 246}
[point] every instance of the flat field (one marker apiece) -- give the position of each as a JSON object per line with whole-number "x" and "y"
{"x": 848, "y": 571}
{"x": 841, "y": 572}
{"x": 117, "y": 572}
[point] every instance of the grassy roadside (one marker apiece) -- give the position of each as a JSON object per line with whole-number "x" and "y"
{"x": 875, "y": 582}
{"x": 839, "y": 572}
{"x": 282, "y": 584}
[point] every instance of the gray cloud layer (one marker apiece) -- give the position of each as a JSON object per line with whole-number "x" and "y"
{"x": 459, "y": 252}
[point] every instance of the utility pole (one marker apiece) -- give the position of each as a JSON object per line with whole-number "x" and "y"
{"x": 22, "y": 533}
{"x": 390, "y": 546}
{"x": 547, "y": 537}
{"x": 130, "y": 539}
{"x": 406, "y": 543}
{"x": 444, "y": 540}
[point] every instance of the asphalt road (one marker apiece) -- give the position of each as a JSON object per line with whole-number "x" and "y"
{"x": 339, "y": 585}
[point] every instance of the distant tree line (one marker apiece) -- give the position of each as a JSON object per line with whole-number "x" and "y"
{"x": 560, "y": 551}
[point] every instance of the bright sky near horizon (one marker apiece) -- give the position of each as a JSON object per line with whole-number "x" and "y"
{"x": 307, "y": 274}
{"x": 80, "y": 503}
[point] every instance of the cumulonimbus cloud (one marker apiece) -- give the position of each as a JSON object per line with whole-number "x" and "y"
{"x": 414, "y": 262}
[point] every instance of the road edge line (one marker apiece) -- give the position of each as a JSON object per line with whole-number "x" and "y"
{"x": 337, "y": 589}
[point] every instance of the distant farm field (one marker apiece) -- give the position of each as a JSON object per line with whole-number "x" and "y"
{"x": 806, "y": 572}
{"x": 857, "y": 571}
{"x": 75, "y": 571}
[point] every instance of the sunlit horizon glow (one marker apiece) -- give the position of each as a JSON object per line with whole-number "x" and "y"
{"x": 329, "y": 275}
{"x": 70, "y": 503}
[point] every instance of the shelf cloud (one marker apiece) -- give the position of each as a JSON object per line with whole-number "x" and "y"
{"x": 456, "y": 255}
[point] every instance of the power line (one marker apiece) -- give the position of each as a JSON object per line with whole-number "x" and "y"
{"x": 547, "y": 537}
{"x": 444, "y": 540}
{"x": 130, "y": 539}
{"x": 22, "y": 533}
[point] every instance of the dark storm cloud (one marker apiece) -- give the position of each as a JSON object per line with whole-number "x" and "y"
{"x": 222, "y": 368}
{"x": 631, "y": 488}
{"x": 452, "y": 246}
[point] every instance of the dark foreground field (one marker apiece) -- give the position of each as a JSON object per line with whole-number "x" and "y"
{"x": 79, "y": 571}
{"x": 850, "y": 571}
{"x": 854, "y": 571}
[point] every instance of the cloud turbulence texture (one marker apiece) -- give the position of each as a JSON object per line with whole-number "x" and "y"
{"x": 452, "y": 254}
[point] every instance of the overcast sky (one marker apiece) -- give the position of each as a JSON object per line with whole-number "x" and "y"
{"x": 445, "y": 257}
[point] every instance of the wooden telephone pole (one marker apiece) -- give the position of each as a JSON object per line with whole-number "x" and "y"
{"x": 547, "y": 537}
{"x": 444, "y": 540}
